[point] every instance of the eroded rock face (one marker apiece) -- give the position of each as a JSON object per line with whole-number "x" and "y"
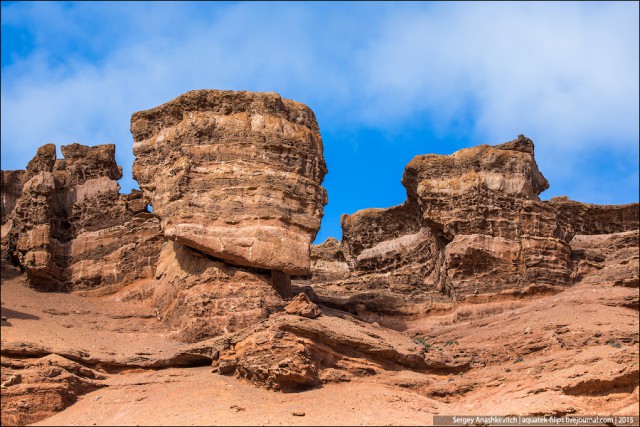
{"x": 236, "y": 175}
{"x": 301, "y": 305}
{"x": 328, "y": 261}
{"x": 588, "y": 218}
{"x": 484, "y": 201}
{"x": 37, "y": 388}
{"x": 290, "y": 352}
{"x": 71, "y": 229}
{"x": 607, "y": 259}
{"x": 201, "y": 297}
{"x": 12, "y": 182}
{"x": 472, "y": 223}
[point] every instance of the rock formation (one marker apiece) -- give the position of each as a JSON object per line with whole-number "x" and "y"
{"x": 292, "y": 352}
{"x": 37, "y": 388}
{"x": 70, "y": 228}
{"x": 471, "y": 284}
{"x": 587, "y": 218}
{"x": 235, "y": 179}
{"x": 201, "y": 297}
{"x": 236, "y": 175}
{"x": 12, "y": 182}
{"x": 484, "y": 203}
{"x": 472, "y": 224}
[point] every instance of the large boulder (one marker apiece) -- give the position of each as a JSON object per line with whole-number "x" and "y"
{"x": 236, "y": 175}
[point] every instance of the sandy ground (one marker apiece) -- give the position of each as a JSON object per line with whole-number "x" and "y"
{"x": 195, "y": 396}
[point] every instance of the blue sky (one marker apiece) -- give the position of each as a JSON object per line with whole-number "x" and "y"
{"x": 387, "y": 81}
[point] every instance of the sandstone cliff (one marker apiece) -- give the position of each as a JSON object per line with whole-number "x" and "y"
{"x": 235, "y": 179}
{"x": 588, "y": 218}
{"x": 71, "y": 229}
{"x": 472, "y": 225}
{"x": 12, "y": 182}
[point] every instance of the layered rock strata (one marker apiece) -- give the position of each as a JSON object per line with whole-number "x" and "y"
{"x": 588, "y": 218}
{"x": 36, "y": 388}
{"x": 472, "y": 223}
{"x": 235, "y": 179}
{"x": 71, "y": 229}
{"x": 293, "y": 352}
{"x": 202, "y": 297}
{"x": 484, "y": 202}
{"x": 12, "y": 183}
{"x": 236, "y": 175}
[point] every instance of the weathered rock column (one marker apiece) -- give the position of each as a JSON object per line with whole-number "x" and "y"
{"x": 235, "y": 178}
{"x": 236, "y": 175}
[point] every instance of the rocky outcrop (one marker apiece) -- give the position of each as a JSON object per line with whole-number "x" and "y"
{"x": 439, "y": 286}
{"x": 472, "y": 224}
{"x": 328, "y": 261}
{"x": 587, "y": 218}
{"x": 301, "y": 305}
{"x": 236, "y": 175}
{"x": 484, "y": 202}
{"x": 290, "y": 352}
{"x": 606, "y": 259}
{"x": 235, "y": 179}
{"x": 12, "y": 182}
{"x": 71, "y": 229}
{"x": 35, "y": 389}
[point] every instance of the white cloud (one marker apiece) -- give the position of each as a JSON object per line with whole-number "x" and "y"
{"x": 568, "y": 70}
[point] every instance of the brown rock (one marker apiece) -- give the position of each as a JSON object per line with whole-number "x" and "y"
{"x": 289, "y": 352}
{"x": 597, "y": 219}
{"x": 201, "y": 297}
{"x": 71, "y": 229}
{"x": 43, "y": 161}
{"x": 302, "y": 306}
{"x": 606, "y": 259}
{"x": 46, "y": 386}
{"x": 11, "y": 190}
{"x": 12, "y": 182}
{"x": 328, "y": 261}
{"x": 236, "y": 175}
{"x": 472, "y": 223}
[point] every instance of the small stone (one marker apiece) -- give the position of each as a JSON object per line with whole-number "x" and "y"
{"x": 302, "y": 306}
{"x": 13, "y": 380}
{"x": 298, "y": 414}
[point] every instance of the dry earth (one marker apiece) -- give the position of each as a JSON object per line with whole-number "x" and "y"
{"x": 575, "y": 352}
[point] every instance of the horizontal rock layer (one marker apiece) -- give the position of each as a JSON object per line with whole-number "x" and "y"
{"x": 588, "y": 218}
{"x": 12, "y": 182}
